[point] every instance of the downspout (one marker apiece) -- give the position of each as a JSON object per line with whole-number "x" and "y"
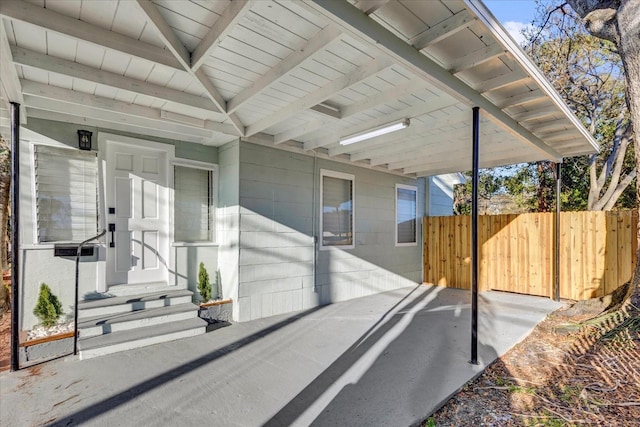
{"x": 557, "y": 232}
{"x": 474, "y": 236}
{"x": 15, "y": 224}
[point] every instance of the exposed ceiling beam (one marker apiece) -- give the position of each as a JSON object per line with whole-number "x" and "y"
{"x": 112, "y": 116}
{"x": 76, "y": 70}
{"x": 495, "y": 155}
{"x": 10, "y": 81}
{"x": 520, "y": 99}
{"x": 331, "y": 137}
{"x": 409, "y": 87}
{"x": 52, "y": 98}
{"x": 87, "y": 121}
{"x": 357, "y": 24}
{"x": 554, "y": 126}
{"x": 538, "y": 113}
{"x": 308, "y": 127}
{"x": 173, "y": 43}
{"x": 477, "y": 57}
{"x": 495, "y": 83}
{"x": 77, "y": 29}
{"x": 267, "y": 140}
{"x": 327, "y": 111}
{"x": 427, "y": 147}
{"x": 316, "y": 97}
{"x": 396, "y": 92}
{"x": 384, "y": 146}
{"x": 370, "y": 6}
{"x": 165, "y": 32}
{"x": 435, "y": 169}
{"x": 561, "y": 135}
{"x": 317, "y": 43}
{"x": 442, "y": 30}
{"x": 220, "y": 29}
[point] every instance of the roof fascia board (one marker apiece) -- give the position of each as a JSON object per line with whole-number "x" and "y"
{"x": 362, "y": 27}
{"x": 487, "y": 18}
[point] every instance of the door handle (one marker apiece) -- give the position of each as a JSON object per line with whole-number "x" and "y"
{"x": 112, "y": 229}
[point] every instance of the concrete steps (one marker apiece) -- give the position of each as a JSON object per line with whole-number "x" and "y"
{"x": 122, "y": 323}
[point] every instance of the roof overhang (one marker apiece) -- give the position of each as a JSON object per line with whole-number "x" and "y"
{"x": 297, "y": 76}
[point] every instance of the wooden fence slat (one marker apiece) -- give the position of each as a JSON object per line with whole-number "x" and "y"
{"x": 597, "y": 252}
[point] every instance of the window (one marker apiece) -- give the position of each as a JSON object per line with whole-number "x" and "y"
{"x": 66, "y": 182}
{"x": 406, "y": 215}
{"x": 336, "y": 222}
{"x": 193, "y": 204}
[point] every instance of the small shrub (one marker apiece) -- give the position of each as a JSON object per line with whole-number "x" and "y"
{"x": 204, "y": 286}
{"x": 48, "y": 309}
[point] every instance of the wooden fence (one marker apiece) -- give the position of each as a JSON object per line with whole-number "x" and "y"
{"x": 517, "y": 252}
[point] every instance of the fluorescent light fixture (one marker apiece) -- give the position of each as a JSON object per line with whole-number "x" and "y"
{"x": 382, "y": 130}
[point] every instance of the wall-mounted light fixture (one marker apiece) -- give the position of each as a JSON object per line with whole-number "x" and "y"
{"x": 84, "y": 139}
{"x": 381, "y": 130}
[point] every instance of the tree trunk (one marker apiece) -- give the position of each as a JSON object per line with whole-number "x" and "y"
{"x": 5, "y": 187}
{"x": 629, "y": 46}
{"x": 619, "y": 22}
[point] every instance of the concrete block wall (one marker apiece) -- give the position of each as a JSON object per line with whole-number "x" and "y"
{"x": 278, "y": 221}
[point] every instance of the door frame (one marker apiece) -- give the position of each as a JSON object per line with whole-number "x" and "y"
{"x": 107, "y": 139}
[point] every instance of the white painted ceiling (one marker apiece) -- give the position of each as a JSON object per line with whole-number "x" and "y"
{"x": 297, "y": 75}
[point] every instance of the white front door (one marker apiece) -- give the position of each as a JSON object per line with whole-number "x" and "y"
{"x": 137, "y": 212}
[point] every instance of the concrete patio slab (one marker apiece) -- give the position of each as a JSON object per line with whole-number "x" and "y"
{"x": 387, "y": 359}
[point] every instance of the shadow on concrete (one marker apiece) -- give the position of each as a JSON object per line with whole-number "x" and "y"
{"x": 106, "y": 405}
{"x": 390, "y": 375}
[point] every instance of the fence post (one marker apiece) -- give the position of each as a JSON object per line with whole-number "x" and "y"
{"x": 557, "y": 232}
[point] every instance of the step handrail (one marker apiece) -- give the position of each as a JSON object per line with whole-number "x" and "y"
{"x": 75, "y": 316}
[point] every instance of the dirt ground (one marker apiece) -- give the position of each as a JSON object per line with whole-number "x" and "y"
{"x": 5, "y": 337}
{"x": 569, "y": 371}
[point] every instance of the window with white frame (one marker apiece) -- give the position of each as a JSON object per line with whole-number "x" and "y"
{"x": 194, "y": 204}
{"x": 337, "y": 219}
{"x": 406, "y": 215}
{"x": 66, "y": 184}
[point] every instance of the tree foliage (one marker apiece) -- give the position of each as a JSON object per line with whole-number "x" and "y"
{"x": 204, "y": 285}
{"x": 617, "y": 21}
{"x": 48, "y": 308}
{"x": 588, "y": 73}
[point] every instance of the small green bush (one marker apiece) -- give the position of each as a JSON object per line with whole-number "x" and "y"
{"x": 204, "y": 286}
{"x": 48, "y": 309}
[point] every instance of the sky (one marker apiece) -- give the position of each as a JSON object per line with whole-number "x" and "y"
{"x": 514, "y": 15}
